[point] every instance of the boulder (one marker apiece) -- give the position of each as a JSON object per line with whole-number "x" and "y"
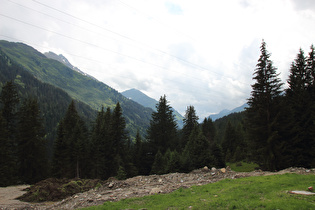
{"x": 155, "y": 191}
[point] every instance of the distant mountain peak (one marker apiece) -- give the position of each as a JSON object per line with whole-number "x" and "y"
{"x": 226, "y": 112}
{"x": 62, "y": 59}
{"x": 146, "y": 101}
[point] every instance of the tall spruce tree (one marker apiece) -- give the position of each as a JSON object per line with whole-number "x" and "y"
{"x": 162, "y": 132}
{"x": 299, "y": 100}
{"x": 311, "y": 69}
{"x": 118, "y": 140}
{"x": 208, "y": 129}
{"x": 198, "y": 151}
{"x": 190, "y": 121}
{"x": 32, "y": 145}
{"x": 100, "y": 145}
{"x": 137, "y": 153}
{"x": 70, "y": 146}
{"x": 9, "y": 102}
{"x": 263, "y": 111}
{"x": 230, "y": 142}
{"x": 6, "y": 162}
{"x": 118, "y": 131}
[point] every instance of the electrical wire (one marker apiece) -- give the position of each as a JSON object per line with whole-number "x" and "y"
{"x": 134, "y": 40}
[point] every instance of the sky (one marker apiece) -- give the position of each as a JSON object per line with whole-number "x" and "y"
{"x": 201, "y": 53}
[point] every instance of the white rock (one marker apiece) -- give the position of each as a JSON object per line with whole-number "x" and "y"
{"x": 155, "y": 191}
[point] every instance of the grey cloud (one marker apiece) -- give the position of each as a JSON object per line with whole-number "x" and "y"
{"x": 304, "y": 4}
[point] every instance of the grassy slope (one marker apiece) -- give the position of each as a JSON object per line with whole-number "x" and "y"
{"x": 78, "y": 86}
{"x": 265, "y": 192}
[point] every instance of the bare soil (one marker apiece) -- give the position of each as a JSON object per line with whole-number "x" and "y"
{"x": 115, "y": 190}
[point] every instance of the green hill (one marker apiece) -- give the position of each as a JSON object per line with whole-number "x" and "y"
{"x": 79, "y": 87}
{"x": 53, "y": 101}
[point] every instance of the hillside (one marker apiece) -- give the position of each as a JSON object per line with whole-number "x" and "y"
{"x": 53, "y": 101}
{"x": 80, "y": 87}
{"x": 146, "y": 101}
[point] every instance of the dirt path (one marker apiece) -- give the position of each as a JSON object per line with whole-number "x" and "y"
{"x": 138, "y": 186}
{"x": 8, "y": 195}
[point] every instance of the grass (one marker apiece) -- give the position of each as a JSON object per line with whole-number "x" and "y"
{"x": 242, "y": 166}
{"x": 264, "y": 192}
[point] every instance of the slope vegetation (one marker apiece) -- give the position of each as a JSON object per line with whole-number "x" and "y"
{"x": 80, "y": 87}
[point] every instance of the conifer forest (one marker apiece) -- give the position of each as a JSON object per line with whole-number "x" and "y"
{"x": 276, "y": 131}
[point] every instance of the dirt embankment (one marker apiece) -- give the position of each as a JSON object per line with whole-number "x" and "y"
{"x": 114, "y": 190}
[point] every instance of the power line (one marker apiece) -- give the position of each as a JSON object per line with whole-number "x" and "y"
{"x": 82, "y": 57}
{"x": 97, "y": 46}
{"x": 133, "y": 40}
{"x": 163, "y": 52}
{"x": 130, "y": 57}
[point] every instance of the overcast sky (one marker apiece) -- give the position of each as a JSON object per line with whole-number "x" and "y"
{"x": 201, "y": 53}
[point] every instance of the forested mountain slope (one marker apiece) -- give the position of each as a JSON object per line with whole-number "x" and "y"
{"x": 53, "y": 101}
{"x": 82, "y": 88}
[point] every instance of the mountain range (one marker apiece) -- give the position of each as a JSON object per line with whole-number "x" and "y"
{"x": 78, "y": 86}
{"x": 57, "y": 71}
{"x": 146, "y": 101}
{"x": 226, "y": 112}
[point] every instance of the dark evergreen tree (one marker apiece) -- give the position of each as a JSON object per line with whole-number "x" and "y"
{"x": 101, "y": 159}
{"x": 158, "y": 166}
{"x": 70, "y": 146}
{"x": 310, "y": 61}
{"x": 118, "y": 138}
{"x": 137, "y": 152}
{"x": 263, "y": 112}
{"x": 299, "y": 100}
{"x": 300, "y": 77}
{"x": 162, "y": 133}
{"x": 173, "y": 164}
{"x": 190, "y": 121}
{"x": 230, "y": 142}
{"x": 208, "y": 129}
{"x": 186, "y": 164}
{"x": 33, "y": 164}
{"x": 118, "y": 132}
{"x": 9, "y": 102}
{"x": 198, "y": 148}
{"x": 6, "y": 161}
{"x": 61, "y": 160}
{"x": 217, "y": 155}
{"x": 311, "y": 69}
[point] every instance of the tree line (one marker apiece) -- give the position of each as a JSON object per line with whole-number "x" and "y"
{"x": 276, "y": 131}
{"x": 105, "y": 150}
{"x": 280, "y": 123}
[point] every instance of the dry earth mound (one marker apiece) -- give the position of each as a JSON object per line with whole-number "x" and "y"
{"x": 114, "y": 190}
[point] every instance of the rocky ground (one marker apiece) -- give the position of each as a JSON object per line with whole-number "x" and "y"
{"x": 115, "y": 190}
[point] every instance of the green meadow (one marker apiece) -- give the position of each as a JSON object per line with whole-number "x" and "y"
{"x": 263, "y": 192}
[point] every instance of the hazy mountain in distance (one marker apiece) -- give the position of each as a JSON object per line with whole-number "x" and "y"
{"x": 146, "y": 101}
{"x": 226, "y": 112}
